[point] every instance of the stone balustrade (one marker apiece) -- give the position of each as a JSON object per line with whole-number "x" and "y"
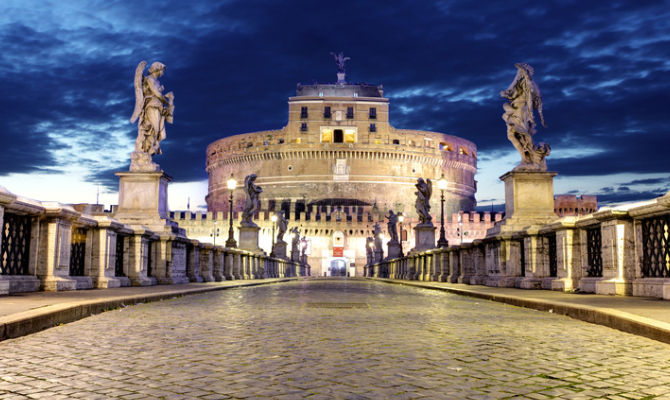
{"x": 51, "y": 246}
{"x": 618, "y": 251}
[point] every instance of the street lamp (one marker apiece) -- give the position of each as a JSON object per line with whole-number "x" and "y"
{"x": 231, "y": 183}
{"x": 215, "y": 233}
{"x": 442, "y": 185}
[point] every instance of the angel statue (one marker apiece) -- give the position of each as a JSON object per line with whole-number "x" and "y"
{"x": 340, "y": 59}
{"x": 524, "y": 97}
{"x": 152, "y": 110}
{"x": 295, "y": 243}
{"x": 251, "y": 205}
{"x": 282, "y": 225}
{"x": 392, "y": 225}
{"x": 422, "y": 203}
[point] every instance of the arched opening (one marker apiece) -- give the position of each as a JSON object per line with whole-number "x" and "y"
{"x": 338, "y": 267}
{"x": 338, "y": 136}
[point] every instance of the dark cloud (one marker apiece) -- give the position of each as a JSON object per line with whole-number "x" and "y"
{"x": 602, "y": 67}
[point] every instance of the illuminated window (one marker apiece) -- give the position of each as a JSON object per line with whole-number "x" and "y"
{"x": 349, "y": 136}
{"x": 445, "y": 146}
{"x": 463, "y": 151}
{"x": 320, "y": 94}
{"x": 326, "y": 135}
{"x": 297, "y": 140}
{"x": 410, "y": 143}
{"x": 377, "y": 141}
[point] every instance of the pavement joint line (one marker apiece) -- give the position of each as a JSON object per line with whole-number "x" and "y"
{"x": 612, "y": 318}
{"x": 48, "y": 316}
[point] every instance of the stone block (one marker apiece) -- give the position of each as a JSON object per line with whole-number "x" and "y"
{"x": 424, "y": 238}
{"x": 279, "y": 250}
{"x": 249, "y": 238}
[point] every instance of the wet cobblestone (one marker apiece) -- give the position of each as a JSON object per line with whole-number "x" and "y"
{"x": 300, "y": 340}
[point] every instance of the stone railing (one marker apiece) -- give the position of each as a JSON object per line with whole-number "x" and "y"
{"x": 623, "y": 250}
{"x": 51, "y": 246}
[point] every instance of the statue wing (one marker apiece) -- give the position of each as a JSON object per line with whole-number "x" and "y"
{"x": 139, "y": 94}
{"x": 429, "y": 188}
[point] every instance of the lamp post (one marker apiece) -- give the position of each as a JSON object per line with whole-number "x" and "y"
{"x": 273, "y": 218}
{"x": 215, "y": 233}
{"x": 442, "y": 184}
{"x": 231, "y": 183}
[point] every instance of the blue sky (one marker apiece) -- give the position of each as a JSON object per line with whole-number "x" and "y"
{"x": 66, "y": 70}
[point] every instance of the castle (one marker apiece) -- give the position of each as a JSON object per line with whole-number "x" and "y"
{"x": 336, "y": 169}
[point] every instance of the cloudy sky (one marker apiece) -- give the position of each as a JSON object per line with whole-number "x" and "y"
{"x": 66, "y": 70}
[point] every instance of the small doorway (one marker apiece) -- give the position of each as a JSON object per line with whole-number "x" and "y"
{"x": 338, "y": 136}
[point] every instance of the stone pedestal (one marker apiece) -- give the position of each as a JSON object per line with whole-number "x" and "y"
{"x": 394, "y": 250}
{"x": 425, "y": 238}
{"x": 249, "y": 239}
{"x": 143, "y": 195}
{"x": 529, "y": 201}
{"x": 279, "y": 250}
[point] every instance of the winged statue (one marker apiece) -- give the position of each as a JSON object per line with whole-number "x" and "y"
{"x": 152, "y": 110}
{"x": 422, "y": 203}
{"x": 524, "y": 99}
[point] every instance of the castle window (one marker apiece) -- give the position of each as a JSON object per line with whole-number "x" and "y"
{"x": 373, "y": 113}
{"x": 320, "y": 94}
{"x": 326, "y": 112}
{"x": 303, "y": 127}
{"x": 396, "y": 142}
{"x": 290, "y": 167}
{"x": 349, "y": 136}
{"x": 373, "y": 128}
{"x": 249, "y": 144}
{"x": 281, "y": 141}
{"x": 297, "y": 140}
{"x": 326, "y": 135}
{"x": 355, "y": 94}
{"x": 303, "y": 112}
{"x": 410, "y": 143}
{"x": 338, "y": 136}
{"x": 265, "y": 143}
{"x": 463, "y": 151}
{"x": 350, "y": 113}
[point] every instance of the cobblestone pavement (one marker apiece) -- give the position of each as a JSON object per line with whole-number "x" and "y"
{"x": 323, "y": 339}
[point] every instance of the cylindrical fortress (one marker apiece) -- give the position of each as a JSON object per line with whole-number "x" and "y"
{"x": 338, "y": 149}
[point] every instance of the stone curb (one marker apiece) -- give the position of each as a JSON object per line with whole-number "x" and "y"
{"x": 609, "y": 317}
{"x": 27, "y": 322}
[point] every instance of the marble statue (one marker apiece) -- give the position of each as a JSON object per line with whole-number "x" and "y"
{"x": 152, "y": 110}
{"x": 295, "y": 244}
{"x": 524, "y": 98}
{"x": 340, "y": 59}
{"x": 422, "y": 203}
{"x": 392, "y": 225}
{"x": 252, "y": 204}
{"x": 282, "y": 225}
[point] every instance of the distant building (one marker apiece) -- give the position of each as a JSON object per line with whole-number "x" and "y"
{"x": 339, "y": 160}
{"x": 571, "y": 205}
